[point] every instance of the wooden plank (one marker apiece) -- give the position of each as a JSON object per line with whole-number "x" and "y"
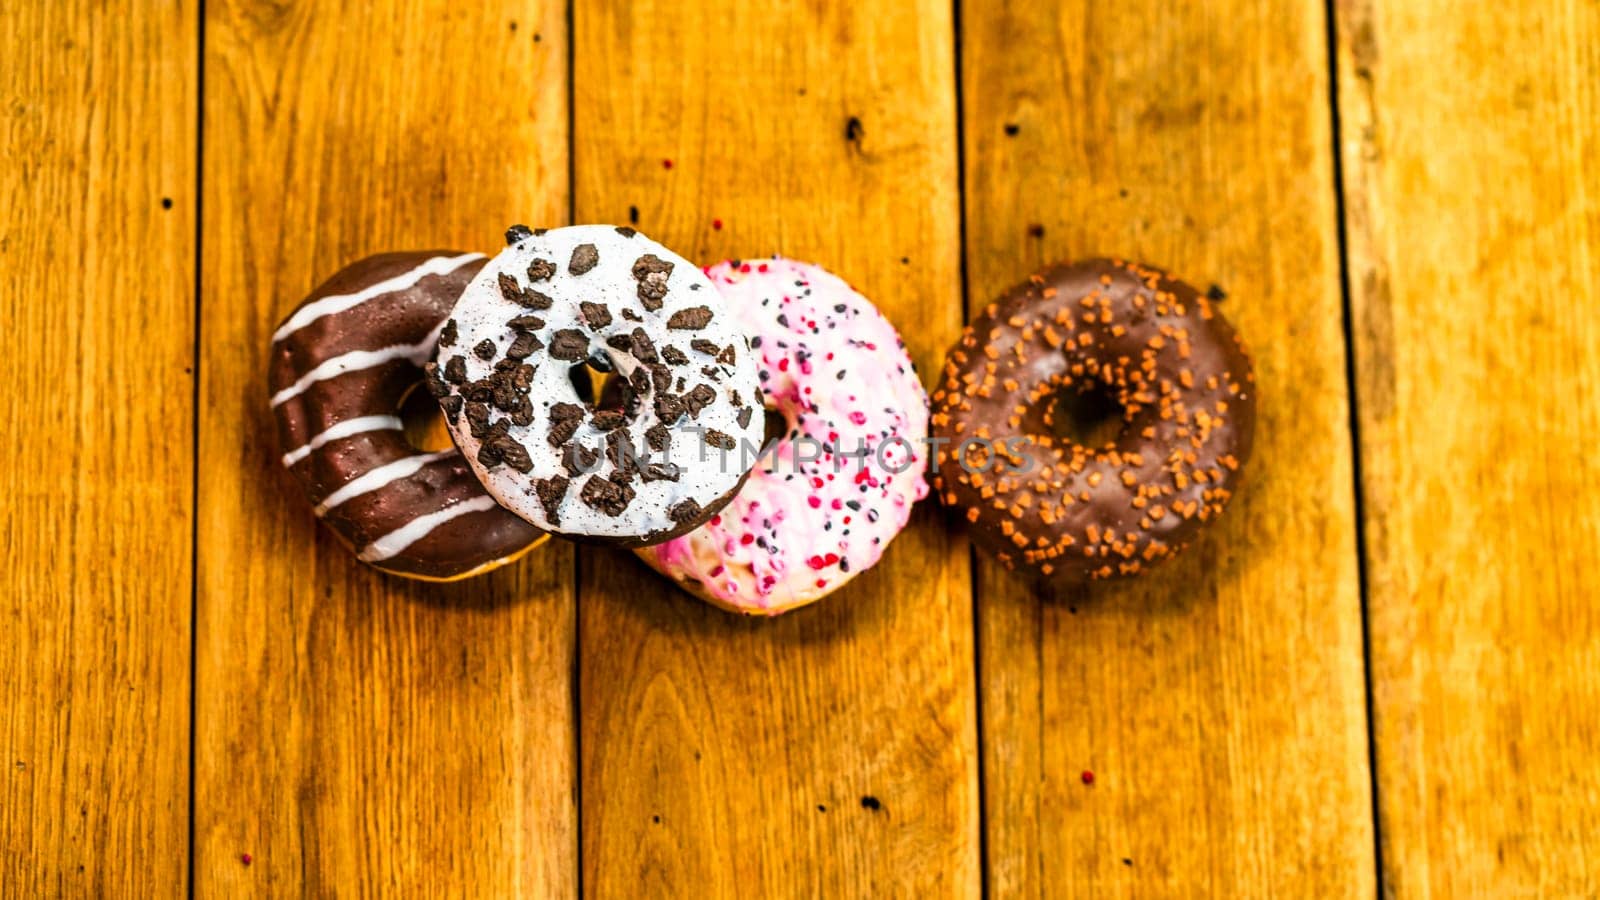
{"x": 1474, "y": 225}
{"x": 354, "y": 728}
{"x": 728, "y": 757}
{"x": 97, "y": 294}
{"x": 1218, "y": 702}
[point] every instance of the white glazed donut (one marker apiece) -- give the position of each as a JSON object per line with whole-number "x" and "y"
{"x": 661, "y": 462}
{"x": 838, "y": 374}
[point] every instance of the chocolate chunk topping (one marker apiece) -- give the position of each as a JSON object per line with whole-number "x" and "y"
{"x": 625, "y": 231}
{"x": 608, "y": 419}
{"x": 569, "y": 344}
{"x": 660, "y": 472}
{"x": 524, "y": 346}
{"x": 639, "y": 381}
{"x": 506, "y": 450}
{"x": 595, "y": 315}
{"x": 631, "y": 316}
{"x": 605, "y": 495}
{"x": 518, "y": 233}
{"x": 692, "y": 319}
{"x": 510, "y": 289}
{"x": 485, "y": 349}
{"x": 684, "y": 511}
{"x": 744, "y": 417}
{"x": 660, "y": 377}
{"x": 451, "y": 406}
{"x": 522, "y": 416}
{"x": 652, "y": 290}
{"x": 650, "y": 264}
{"x": 522, "y": 376}
{"x": 481, "y": 390}
{"x": 674, "y": 356}
{"x": 641, "y": 346}
{"x": 532, "y": 299}
{"x": 584, "y": 258}
{"x": 620, "y": 342}
{"x": 448, "y": 334}
{"x": 658, "y": 437}
{"x": 436, "y": 384}
{"x": 564, "y": 421}
{"x": 541, "y": 269}
{"x": 719, "y": 440}
{"x": 551, "y": 491}
{"x": 578, "y": 459}
{"x": 698, "y": 398}
{"x": 669, "y": 407}
{"x": 726, "y": 357}
{"x": 704, "y": 346}
{"x": 620, "y": 451}
{"x": 525, "y": 323}
{"x": 478, "y": 418}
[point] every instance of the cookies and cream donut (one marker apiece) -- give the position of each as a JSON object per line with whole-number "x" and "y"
{"x": 512, "y": 361}
{"x": 1152, "y": 346}
{"x": 342, "y": 363}
{"x": 826, "y": 501}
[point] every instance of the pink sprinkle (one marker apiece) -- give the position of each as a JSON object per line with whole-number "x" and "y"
{"x": 858, "y": 417}
{"x": 816, "y": 562}
{"x": 246, "y": 858}
{"x": 816, "y": 502}
{"x": 822, "y": 582}
{"x": 666, "y": 164}
{"x": 1088, "y": 777}
{"x": 717, "y": 224}
{"x": 717, "y": 571}
{"x": 762, "y": 268}
{"x": 783, "y": 364}
{"x": 837, "y": 503}
{"x": 747, "y": 538}
{"x": 716, "y": 519}
{"x": 745, "y": 267}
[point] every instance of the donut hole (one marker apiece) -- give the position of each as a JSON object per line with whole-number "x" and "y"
{"x": 423, "y": 421}
{"x": 775, "y": 427}
{"x": 1090, "y": 417}
{"x": 594, "y": 382}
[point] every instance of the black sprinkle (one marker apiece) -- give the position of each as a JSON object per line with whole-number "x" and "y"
{"x": 871, "y": 802}
{"x": 853, "y": 130}
{"x": 633, "y": 215}
{"x": 166, "y": 202}
{"x": 1012, "y": 128}
{"x": 1215, "y": 293}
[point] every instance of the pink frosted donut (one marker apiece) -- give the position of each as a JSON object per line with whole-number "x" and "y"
{"x": 829, "y": 496}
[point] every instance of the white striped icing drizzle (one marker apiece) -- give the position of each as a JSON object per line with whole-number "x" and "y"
{"x": 337, "y": 303}
{"x": 343, "y": 429}
{"x": 379, "y": 478}
{"x": 396, "y": 541}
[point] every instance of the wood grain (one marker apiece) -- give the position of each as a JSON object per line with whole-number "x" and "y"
{"x": 734, "y": 758}
{"x": 97, "y": 126}
{"x": 1219, "y": 702}
{"x": 1474, "y": 225}
{"x": 354, "y": 730}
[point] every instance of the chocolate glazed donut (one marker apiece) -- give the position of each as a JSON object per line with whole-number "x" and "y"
{"x": 342, "y": 363}
{"x": 1137, "y": 337}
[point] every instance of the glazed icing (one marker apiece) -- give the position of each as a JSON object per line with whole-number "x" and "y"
{"x": 835, "y": 369}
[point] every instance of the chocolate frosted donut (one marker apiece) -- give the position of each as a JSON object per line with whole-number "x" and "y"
{"x": 512, "y": 373}
{"x": 342, "y": 362}
{"x": 1140, "y": 339}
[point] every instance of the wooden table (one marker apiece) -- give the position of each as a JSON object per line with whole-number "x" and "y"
{"x": 1380, "y": 672}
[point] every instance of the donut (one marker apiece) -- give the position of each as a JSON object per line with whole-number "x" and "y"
{"x": 679, "y": 423}
{"x": 1148, "y": 345}
{"x": 825, "y": 502}
{"x": 342, "y": 363}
